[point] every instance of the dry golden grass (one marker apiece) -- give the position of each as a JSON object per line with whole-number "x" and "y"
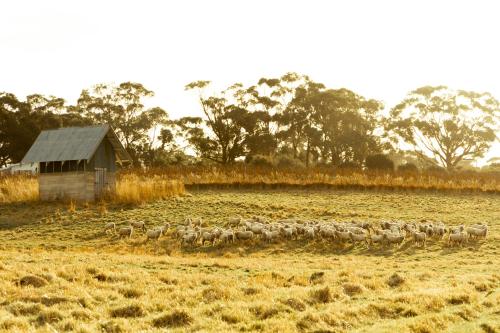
{"x": 18, "y": 189}
{"x": 133, "y": 189}
{"x": 130, "y": 189}
{"x": 242, "y": 176}
{"x": 60, "y": 271}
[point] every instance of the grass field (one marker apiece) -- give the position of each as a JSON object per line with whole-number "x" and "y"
{"x": 60, "y": 271}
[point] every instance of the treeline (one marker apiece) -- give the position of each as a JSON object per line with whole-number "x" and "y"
{"x": 286, "y": 121}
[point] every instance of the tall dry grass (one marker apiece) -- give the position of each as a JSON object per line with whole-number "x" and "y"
{"x": 130, "y": 189}
{"x": 18, "y": 189}
{"x": 250, "y": 176}
{"x": 134, "y": 189}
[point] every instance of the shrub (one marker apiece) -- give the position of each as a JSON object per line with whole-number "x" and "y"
{"x": 352, "y": 289}
{"x": 260, "y": 161}
{"x": 379, "y": 162}
{"x": 408, "y": 167}
{"x": 128, "y": 311}
{"x": 395, "y": 280}
{"x": 322, "y": 295}
{"x": 49, "y": 317}
{"x": 32, "y": 280}
{"x": 287, "y": 162}
{"x": 177, "y": 318}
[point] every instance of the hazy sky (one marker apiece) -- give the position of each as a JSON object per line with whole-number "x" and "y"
{"x": 380, "y": 49}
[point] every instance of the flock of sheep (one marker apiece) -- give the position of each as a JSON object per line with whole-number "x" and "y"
{"x": 237, "y": 229}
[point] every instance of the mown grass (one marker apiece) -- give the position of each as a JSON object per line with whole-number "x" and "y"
{"x": 59, "y": 270}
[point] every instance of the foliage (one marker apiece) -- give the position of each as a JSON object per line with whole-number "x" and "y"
{"x": 446, "y": 125}
{"x": 379, "y": 162}
{"x": 22, "y": 121}
{"x": 123, "y": 108}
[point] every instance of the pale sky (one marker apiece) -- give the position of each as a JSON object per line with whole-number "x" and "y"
{"x": 380, "y": 49}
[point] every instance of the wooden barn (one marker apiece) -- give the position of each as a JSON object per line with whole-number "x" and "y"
{"x": 77, "y": 163}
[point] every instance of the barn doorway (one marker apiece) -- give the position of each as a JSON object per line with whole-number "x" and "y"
{"x": 100, "y": 182}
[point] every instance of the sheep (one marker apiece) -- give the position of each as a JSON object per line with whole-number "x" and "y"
{"x": 457, "y": 238}
{"x": 110, "y": 226}
{"x": 476, "y": 232}
{"x": 126, "y": 231}
{"x": 376, "y": 239}
{"x": 356, "y": 230}
{"x": 419, "y": 238}
{"x": 189, "y": 238}
{"x": 456, "y": 229}
{"x": 270, "y": 236}
{"x": 286, "y": 232}
{"x": 394, "y": 238}
{"x": 243, "y": 235}
{"x": 234, "y": 221}
{"x": 165, "y": 227}
{"x": 309, "y": 233}
{"x": 358, "y": 238}
{"x": 154, "y": 234}
{"x": 208, "y": 237}
{"x": 197, "y": 222}
{"x": 343, "y": 236}
{"x": 139, "y": 225}
{"x": 227, "y": 236}
{"x": 439, "y": 230}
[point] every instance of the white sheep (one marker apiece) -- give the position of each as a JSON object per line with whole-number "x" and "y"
{"x": 110, "y": 227}
{"x": 227, "y": 236}
{"x": 126, "y": 231}
{"x": 419, "y": 238}
{"x": 139, "y": 225}
{"x": 476, "y": 232}
{"x": 189, "y": 238}
{"x": 208, "y": 237}
{"x": 377, "y": 239}
{"x": 457, "y": 238}
{"x": 394, "y": 238}
{"x": 355, "y": 238}
{"x": 244, "y": 235}
{"x": 154, "y": 234}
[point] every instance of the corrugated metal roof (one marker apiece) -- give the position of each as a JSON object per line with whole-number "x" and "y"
{"x": 73, "y": 143}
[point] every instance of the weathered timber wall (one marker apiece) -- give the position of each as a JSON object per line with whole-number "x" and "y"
{"x": 67, "y": 185}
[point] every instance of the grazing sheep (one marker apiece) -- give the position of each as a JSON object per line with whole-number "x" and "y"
{"x": 243, "y": 235}
{"x": 286, "y": 232}
{"x": 356, "y": 238}
{"x": 208, "y": 237}
{"x": 439, "y": 230}
{"x": 227, "y": 236}
{"x": 419, "y": 238}
{"x": 356, "y": 230}
{"x": 457, "y": 238}
{"x": 309, "y": 233}
{"x": 457, "y": 229}
{"x": 343, "y": 236}
{"x": 110, "y": 227}
{"x": 377, "y": 239}
{"x": 189, "y": 238}
{"x": 394, "y": 239}
{"x": 197, "y": 222}
{"x": 476, "y": 232}
{"x": 234, "y": 221}
{"x": 139, "y": 225}
{"x": 270, "y": 236}
{"x": 154, "y": 234}
{"x": 165, "y": 228}
{"x": 126, "y": 231}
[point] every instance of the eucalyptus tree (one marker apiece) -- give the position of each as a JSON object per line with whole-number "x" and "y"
{"x": 446, "y": 126}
